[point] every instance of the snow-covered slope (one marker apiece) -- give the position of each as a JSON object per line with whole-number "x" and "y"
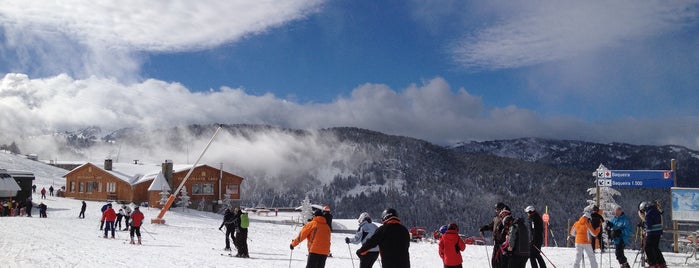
{"x": 191, "y": 239}
{"x": 45, "y": 174}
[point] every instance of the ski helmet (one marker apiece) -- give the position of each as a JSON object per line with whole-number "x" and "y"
{"x": 643, "y": 206}
{"x": 443, "y": 229}
{"x": 363, "y": 217}
{"x": 529, "y": 209}
{"x": 388, "y": 213}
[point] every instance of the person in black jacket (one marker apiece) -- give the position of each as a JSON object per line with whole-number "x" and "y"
{"x": 537, "y": 236}
{"x": 82, "y": 210}
{"x": 518, "y": 247}
{"x": 393, "y": 240}
{"x": 597, "y": 221}
{"x": 228, "y": 221}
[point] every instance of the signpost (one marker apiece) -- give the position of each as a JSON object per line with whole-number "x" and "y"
{"x": 663, "y": 179}
{"x": 635, "y": 178}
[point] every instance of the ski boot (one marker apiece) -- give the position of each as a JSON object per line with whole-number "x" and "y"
{"x": 139, "y": 241}
{"x": 132, "y": 242}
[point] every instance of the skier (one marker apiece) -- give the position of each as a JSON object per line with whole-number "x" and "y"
{"x": 28, "y": 207}
{"x": 654, "y": 230}
{"x": 597, "y": 221}
{"x": 228, "y": 218}
{"x": 241, "y": 233}
{"x": 364, "y": 232}
{"x": 82, "y": 210}
{"x": 51, "y": 190}
{"x": 108, "y": 217}
{"x": 537, "y": 236}
{"x": 393, "y": 240}
{"x": 33, "y": 188}
{"x": 450, "y": 247}
{"x": 317, "y": 233}
{"x": 136, "y": 222}
{"x": 619, "y": 229}
{"x": 494, "y": 227}
{"x": 581, "y": 230}
{"x": 103, "y": 209}
{"x": 120, "y": 214}
{"x": 329, "y": 219}
{"x": 43, "y": 193}
{"x": 127, "y": 216}
{"x": 517, "y": 245}
{"x": 42, "y": 210}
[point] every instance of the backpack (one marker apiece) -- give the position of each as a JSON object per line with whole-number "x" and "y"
{"x": 244, "y": 221}
{"x": 521, "y": 247}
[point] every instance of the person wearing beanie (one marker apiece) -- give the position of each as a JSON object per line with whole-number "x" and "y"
{"x": 619, "y": 229}
{"x": 496, "y": 227}
{"x": 393, "y": 240}
{"x": 317, "y": 233}
{"x": 581, "y": 230}
{"x": 108, "y": 217}
{"x": 596, "y": 220}
{"x": 450, "y": 247}
{"x": 136, "y": 222}
{"x": 364, "y": 232}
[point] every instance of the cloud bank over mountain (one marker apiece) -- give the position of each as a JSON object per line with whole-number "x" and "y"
{"x": 431, "y": 110}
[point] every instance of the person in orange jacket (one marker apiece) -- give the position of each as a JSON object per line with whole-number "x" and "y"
{"x": 580, "y": 230}
{"x": 109, "y": 216}
{"x": 450, "y": 247}
{"x": 317, "y": 233}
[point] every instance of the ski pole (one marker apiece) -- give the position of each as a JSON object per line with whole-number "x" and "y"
{"x": 547, "y": 258}
{"x": 350, "y": 253}
{"x": 290, "y": 254}
{"x": 486, "y": 252}
{"x": 144, "y": 229}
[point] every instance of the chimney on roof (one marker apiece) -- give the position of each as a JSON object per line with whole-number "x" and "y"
{"x": 167, "y": 172}
{"x": 107, "y": 164}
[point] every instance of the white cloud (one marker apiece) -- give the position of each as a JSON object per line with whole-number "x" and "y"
{"x": 104, "y": 37}
{"x": 431, "y": 111}
{"x": 558, "y": 30}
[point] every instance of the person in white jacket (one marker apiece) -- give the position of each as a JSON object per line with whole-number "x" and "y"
{"x": 364, "y": 232}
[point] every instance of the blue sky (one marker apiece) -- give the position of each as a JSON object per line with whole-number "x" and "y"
{"x": 439, "y": 70}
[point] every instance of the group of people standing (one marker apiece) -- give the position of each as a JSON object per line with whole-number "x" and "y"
{"x": 12, "y": 208}
{"x": 133, "y": 220}
{"x": 511, "y": 238}
{"x": 589, "y": 226}
{"x": 391, "y": 240}
{"x": 236, "y": 223}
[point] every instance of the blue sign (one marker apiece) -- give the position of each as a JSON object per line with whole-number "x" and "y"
{"x": 641, "y": 178}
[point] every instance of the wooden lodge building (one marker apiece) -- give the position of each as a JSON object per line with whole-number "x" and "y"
{"x": 139, "y": 183}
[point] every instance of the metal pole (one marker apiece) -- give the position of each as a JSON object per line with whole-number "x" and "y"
{"x": 172, "y": 197}
{"x": 675, "y": 235}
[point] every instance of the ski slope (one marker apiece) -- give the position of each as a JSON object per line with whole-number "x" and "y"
{"x": 191, "y": 238}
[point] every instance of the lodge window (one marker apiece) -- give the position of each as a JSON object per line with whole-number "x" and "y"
{"x": 232, "y": 189}
{"x": 72, "y": 186}
{"x": 99, "y": 187}
{"x": 203, "y": 189}
{"x": 89, "y": 187}
{"x": 111, "y": 187}
{"x": 82, "y": 187}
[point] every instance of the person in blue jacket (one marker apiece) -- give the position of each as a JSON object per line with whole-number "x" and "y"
{"x": 619, "y": 229}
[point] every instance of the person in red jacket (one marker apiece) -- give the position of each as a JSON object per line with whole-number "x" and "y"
{"x": 450, "y": 247}
{"x": 109, "y": 216}
{"x": 136, "y": 221}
